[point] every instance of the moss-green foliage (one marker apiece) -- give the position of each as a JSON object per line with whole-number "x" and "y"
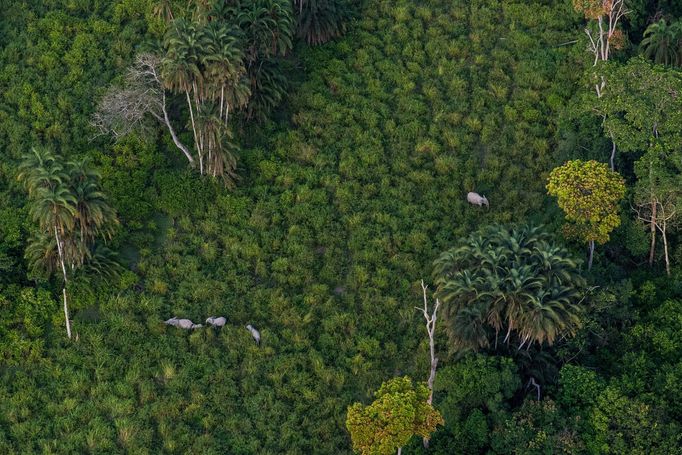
{"x": 343, "y": 205}
{"x": 473, "y": 394}
{"x": 57, "y": 57}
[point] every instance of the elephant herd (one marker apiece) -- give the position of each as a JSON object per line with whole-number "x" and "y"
{"x": 219, "y": 322}
{"x": 212, "y": 321}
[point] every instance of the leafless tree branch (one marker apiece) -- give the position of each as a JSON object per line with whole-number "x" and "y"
{"x": 125, "y": 109}
{"x": 430, "y": 330}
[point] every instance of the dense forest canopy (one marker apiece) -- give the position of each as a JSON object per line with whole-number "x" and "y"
{"x": 298, "y": 167}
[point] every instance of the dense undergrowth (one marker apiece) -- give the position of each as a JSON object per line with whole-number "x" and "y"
{"x": 343, "y": 204}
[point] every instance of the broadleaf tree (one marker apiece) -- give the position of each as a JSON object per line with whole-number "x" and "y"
{"x": 658, "y": 194}
{"x": 400, "y": 411}
{"x": 588, "y": 192}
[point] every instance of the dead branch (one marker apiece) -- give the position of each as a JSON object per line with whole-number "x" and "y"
{"x": 430, "y": 330}
{"x": 126, "y": 109}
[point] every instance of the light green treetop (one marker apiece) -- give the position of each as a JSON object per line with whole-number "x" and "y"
{"x": 399, "y": 412}
{"x": 588, "y": 192}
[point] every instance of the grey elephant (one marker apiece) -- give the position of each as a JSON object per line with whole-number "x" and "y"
{"x": 216, "y": 321}
{"x": 254, "y": 333}
{"x": 477, "y": 199}
{"x": 182, "y": 323}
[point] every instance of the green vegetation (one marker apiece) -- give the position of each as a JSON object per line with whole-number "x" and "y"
{"x": 508, "y": 281}
{"x": 337, "y": 180}
{"x": 71, "y": 212}
{"x": 399, "y": 412}
{"x": 588, "y": 193}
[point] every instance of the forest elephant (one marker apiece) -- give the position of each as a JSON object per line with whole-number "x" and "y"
{"x": 254, "y": 333}
{"x": 182, "y": 323}
{"x": 477, "y": 199}
{"x": 216, "y": 322}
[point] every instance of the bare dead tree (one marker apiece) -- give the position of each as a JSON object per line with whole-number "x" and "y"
{"x": 602, "y": 35}
{"x": 125, "y": 109}
{"x": 430, "y": 330}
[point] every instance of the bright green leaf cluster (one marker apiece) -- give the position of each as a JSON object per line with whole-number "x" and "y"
{"x": 588, "y": 192}
{"x": 399, "y": 412}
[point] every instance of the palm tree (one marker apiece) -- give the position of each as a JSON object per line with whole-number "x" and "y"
{"x": 94, "y": 216}
{"x": 180, "y": 66}
{"x": 662, "y": 42}
{"x": 268, "y": 87}
{"x": 268, "y": 28}
{"x": 70, "y": 211}
{"x": 223, "y": 67}
{"x": 163, "y": 9}
{"x": 319, "y": 21}
{"x": 218, "y": 148}
{"x": 508, "y": 281}
{"x": 206, "y": 64}
{"x": 39, "y": 169}
{"x": 54, "y": 209}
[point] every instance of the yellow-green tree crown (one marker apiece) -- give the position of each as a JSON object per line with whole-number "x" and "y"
{"x": 588, "y": 192}
{"x": 399, "y": 412}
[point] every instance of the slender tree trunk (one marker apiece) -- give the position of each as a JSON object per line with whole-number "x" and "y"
{"x": 589, "y": 262}
{"x": 222, "y": 98}
{"x": 604, "y": 56}
{"x": 207, "y": 146}
{"x": 506, "y": 338}
{"x": 432, "y": 377}
{"x": 194, "y": 126}
{"x": 201, "y": 153}
{"x": 665, "y": 249}
{"x": 431, "y": 331}
{"x": 400, "y": 450}
{"x": 60, "y": 250}
{"x": 533, "y": 383}
{"x": 613, "y": 154}
{"x": 174, "y": 136}
{"x": 66, "y": 313}
{"x": 652, "y": 229}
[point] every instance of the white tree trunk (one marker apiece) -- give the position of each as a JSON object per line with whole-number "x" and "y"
{"x": 174, "y": 136}
{"x": 430, "y": 330}
{"x": 66, "y": 314}
{"x": 60, "y": 250}
{"x": 665, "y": 248}
{"x": 194, "y": 127}
{"x": 652, "y": 229}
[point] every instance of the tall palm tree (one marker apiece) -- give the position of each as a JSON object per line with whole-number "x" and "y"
{"x": 510, "y": 283}
{"x": 662, "y": 42}
{"x": 70, "y": 211}
{"x": 54, "y": 209}
{"x": 268, "y": 28}
{"x": 94, "y": 215}
{"x": 223, "y": 67}
{"x": 318, "y": 21}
